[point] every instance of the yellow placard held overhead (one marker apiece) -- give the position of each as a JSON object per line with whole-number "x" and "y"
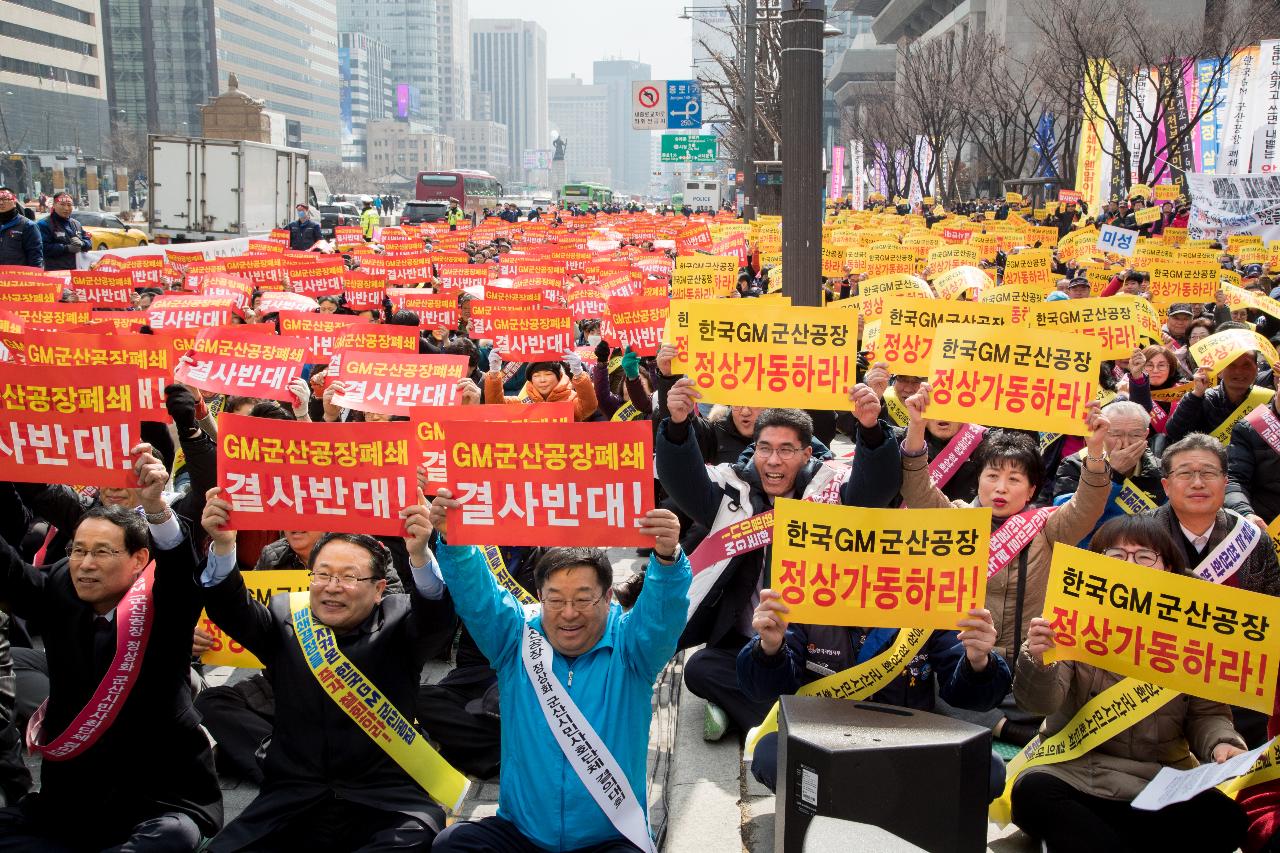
{"x": 1186, "y": 634}
{"x": 1238, "y": 297}
{"x": 1030, "y": 266}
{"x": 1147, "y": 214}
{"x": 943, "y": 258}
{"x": 1021, "y": 294}
{"x": 969, "y": 281}
{"x": 1167, "y": 192}
{"x": 703, "y": 276}
{"x": 748, "y": 354}
{"x": 1010, "y": 376}
{"x": 677, "y": 331}
{"x": 1221, "y": 348}
{"x": 1113, "y": 322}
{"x": 879, "y": 568}
{"x": 873, "y": 291}
{"x": 261, "y": 585}
{"x": 907, "y": 326}
{"x": 1176, "y": 281}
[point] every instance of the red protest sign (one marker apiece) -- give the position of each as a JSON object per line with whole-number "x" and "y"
{"x": 316, "y": 282}
{"x": 587, "y": 302}
{"x": 47, "y": 315}
{"x": 285, "y": 475}
{"x": 431, "y": 425}
{"x": 224, "y": 284}
{"x": 120, "y": 322}
{"x": 399, "y": 269}
{"x": 518, "y": 297}
{"x": 264, "y": 270}
{"x": 395, "y": 383}
{"x": 275, "y": 301}
{"x": 103, "y": 289}
{"x": 243, "y": 361}
{"x": 150, "y": 358}
{"x": 637, "y": 322}
{"x": 370, "y": 338}
{"x": 144, "y": 270}
{"x": 363, "y": 291}
{"x": 317, "y": 332}
{"x": 190, "y": 311}
{"x": 458, "y": 276}
{"x": 348, "y": 235}
{"x": 532, "y": 335}
{"x": 550, "y": 483}
{"x": 434, "y": 310}
{"x": 70, "y": 425}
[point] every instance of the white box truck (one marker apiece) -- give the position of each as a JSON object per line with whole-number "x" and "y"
{"x": 216, "y": 189}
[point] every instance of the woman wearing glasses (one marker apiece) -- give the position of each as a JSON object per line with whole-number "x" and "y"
{"x": 1083, "y": 803}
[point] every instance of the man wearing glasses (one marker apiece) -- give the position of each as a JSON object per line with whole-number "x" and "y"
{"x": 20, "y": 243}
{"x": 63, "y": 237}
{"x": 1221, "y": 545}
{"x": 328, "y": 784}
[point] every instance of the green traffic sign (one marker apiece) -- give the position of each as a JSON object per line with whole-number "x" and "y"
{"x": 686, "y": 148}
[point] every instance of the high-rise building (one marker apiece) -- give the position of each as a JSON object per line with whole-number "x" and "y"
{"x": 410, "y": 29}
{"x": 407, "y": 147}
{"x": 53, "y": 82}
{"x": 453, "y": 32}
{"x": 509, "y": 61}
{"x": 160, "y": 64}
{"x": 366, "y": 93}
{"x": 579, "y": 114}
{"x": 290, "y": 60}
{"x": 628, "y": 149}
{"x": 480, "y": 145}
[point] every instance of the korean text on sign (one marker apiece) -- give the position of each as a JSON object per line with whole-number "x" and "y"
{"x": 1012, "y": 377}
{"x": 1114, "y": 323}
{"x": 262, "y": 585}
{"x": 431, "y": 425}
{"x": 1199, "y": 638}
{"x": 394, "y": 383}
{"x": 908, "y": 323}
{"x": 284, "y": 475}
{"x": 240, "y": 360}
{"x": 636, "y": 322}
{"x": 550, "y": 483}
{"x": 768, "y": 355}
{"x": 885, "y": 568}
{"x": 69, "y": 425}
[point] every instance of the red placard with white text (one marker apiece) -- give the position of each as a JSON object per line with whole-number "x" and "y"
{"x": 393, "y": 383}
{"x": 363, "y": 291}
{"x": 190, "y": 311}
{"x": 434, "y": 310}
{"x": 532, "y": 335}
{"x": 431, "y": 425}
{"x": 103, "y": 289}
{"x": 47, "y": 315}
{"x": 285, "y": 475}
{"x": 318, "y": 332}
{"x": 637, "y": 322}
{"x": 371, "y": 337}
{"x": 550, "y": 483}
{"x": 243, "y": 361}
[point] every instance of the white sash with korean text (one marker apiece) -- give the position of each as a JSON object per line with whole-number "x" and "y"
{"x": 1226, "y": 559}
{"x": 586, "y": 753}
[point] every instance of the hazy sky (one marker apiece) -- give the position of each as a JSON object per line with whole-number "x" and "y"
{"x": 579, "y": 33}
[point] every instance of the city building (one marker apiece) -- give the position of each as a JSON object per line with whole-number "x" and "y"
{"x": 291, "y": 62}
{"x": 366, "y": 93}
{"x": 53, "y": 77}
{"x": 406, "y": 147}
{"x": 480, "y": 145}
{"x": 579, "y": 114}
{"x": 453, "y": 33}
{"x": 509, "y": 65}
{"x": 409, "y": 28}
{"x": 160, "y": 65}
{"x": 628, "y": 149}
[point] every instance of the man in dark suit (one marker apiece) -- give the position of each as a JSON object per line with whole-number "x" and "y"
{"x": 147, "y": 780}
{"x": 327, "y": 783}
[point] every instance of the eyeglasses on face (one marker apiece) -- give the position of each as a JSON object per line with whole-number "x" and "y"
{"x": 581, "y": 602}
{"x": 323, "y": 579}
{"x": 1141, "y": 556}
{"x": 786, "y": 452}
{"x": 1188, "y": 475}
{"x": 77, "y": 554}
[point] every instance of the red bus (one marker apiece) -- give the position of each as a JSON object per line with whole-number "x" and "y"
{"x": 473, "y": 189}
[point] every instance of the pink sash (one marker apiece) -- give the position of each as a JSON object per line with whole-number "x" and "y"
{"x": 1015, "y": 534}
{"x": 1159, "y": 417}
{"x": 133, "y": 627}
{"x": 1265, "y": 423}
{"x": 955, "y": 454}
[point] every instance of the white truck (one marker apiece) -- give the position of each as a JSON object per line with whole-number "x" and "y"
{"x": 216, "y": 189}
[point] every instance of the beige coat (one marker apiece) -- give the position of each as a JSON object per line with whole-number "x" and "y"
{"x": 1120, "y": 767}
{"x": 1069, "y": 523}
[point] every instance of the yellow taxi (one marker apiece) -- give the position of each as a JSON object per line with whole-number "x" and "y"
{"x": 108, "y": 231}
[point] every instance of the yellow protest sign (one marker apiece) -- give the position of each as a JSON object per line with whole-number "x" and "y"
{"x": 870, "y": 334}
{"x": 1183, "y": 282}
{"x": 1099, "y": 278}
{"x": 1146, "y": 214}
{"x": 1252, "y": 255}
{"x": 261, "y": 585}
{"x": 967, "y": 279}
{"x": 1030, "y": 266}
{"x": 920, "y": 244}
{"x": 907, "y": 326}
{"x": 1010, "y": 376}
{"x": 1236, "y": 242}
{"x": 945, "y": 257}
{"x": 1045, "y": 235}
{"x": 1182, "y": 633}
{"x": 703, "y": 276}
{"x": 843, "y": 237}
{"x": 1023, "y": 294}
{"x": 987, "y": 245}
{"x": 1139, "y": 191}
{"x": 677, "y": 331}
{"x": 1113, "y": 322}
{"x": 1238, "y": 297}
{"x": 1174, "y": 236}
{"x": 1167, "y": 192}
{"x": 879, "y": 568}
{"x": 891, "y": 261}
{"x": 1150, "y": 252}
{"x": 872, "y": 292}
{"x": 1221, "y": 348}
{"x": 745, "y": 353}
{"x": 833, "y": 261}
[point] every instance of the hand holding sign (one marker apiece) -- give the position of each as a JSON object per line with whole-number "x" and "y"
{"x": 770, "y": 621}
{"x": 217, "y": 513}
{"x": 417, "y": 527}
{"x": 152, "y": 476}
{"x": 440, "y": 506}
{"x": 682, "y": 400}
{"x": 1039, "y": 639}
{"x": 1099, "y": 426}
{"x": 664, "y": 527}
{"x": 978, "y": 634}
{"x": 865, "y": 405}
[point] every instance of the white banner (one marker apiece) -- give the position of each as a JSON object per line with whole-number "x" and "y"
{"x": 1266, "y": 116}
{"x": 857, "y": 169}
{"x": 1237, "y": 141}
{"x": 1222, "y": 205}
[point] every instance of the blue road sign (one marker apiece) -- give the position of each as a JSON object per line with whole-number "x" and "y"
{"x": 684, "y": 104}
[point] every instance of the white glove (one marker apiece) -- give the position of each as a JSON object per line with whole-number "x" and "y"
{"x": 495, "y": 361}
{"x": 575, "y": 364}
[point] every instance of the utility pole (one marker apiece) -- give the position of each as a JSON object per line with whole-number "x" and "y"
{"x": 748, "y": 167}
{"x": 801, "y": 66}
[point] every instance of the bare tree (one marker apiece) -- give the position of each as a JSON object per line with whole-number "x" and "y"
{"x": 1132, "y": 64}
{"x": 129, "y": 148}
{"x": 343, "y": 180}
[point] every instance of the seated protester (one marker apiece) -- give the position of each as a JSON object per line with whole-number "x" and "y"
{"x": 1009, "y": 479}
{"x": 549, "y": 799}
{"x": 1253, "y": 465}
{"x": 1215, "y": 410}
{"x": 146, "y": 761}
{"x": 780, "y": 464}
{"x": 1083, "y": 803}
{"x": 1261, "y": 803}
{"x": 1135, "y": 470}
{"x": 547, "y": 383}
{"x": 781, "y": 658}
{"x": 900, "y": 388}
{"x": 624, "y": 374}
{"x": 961, "y": 484}
{"x": 327, "y": 782}
{"x": 1154, "y": 368}
{"x": 240, "y": 715}
{"x": 1054, "y": 450}
{"x": 1216, "y": 542}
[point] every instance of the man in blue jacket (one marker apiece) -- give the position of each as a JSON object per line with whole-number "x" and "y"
{"x": 575, "y": 716}
{"x": 782, "y": 658}
{"x": 20, "y": 243}
{"x": 63, "y": 237}
{"x": 304, "y": 232}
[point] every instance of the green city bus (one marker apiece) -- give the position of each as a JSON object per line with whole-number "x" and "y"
{"x": 586, "y": 193}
